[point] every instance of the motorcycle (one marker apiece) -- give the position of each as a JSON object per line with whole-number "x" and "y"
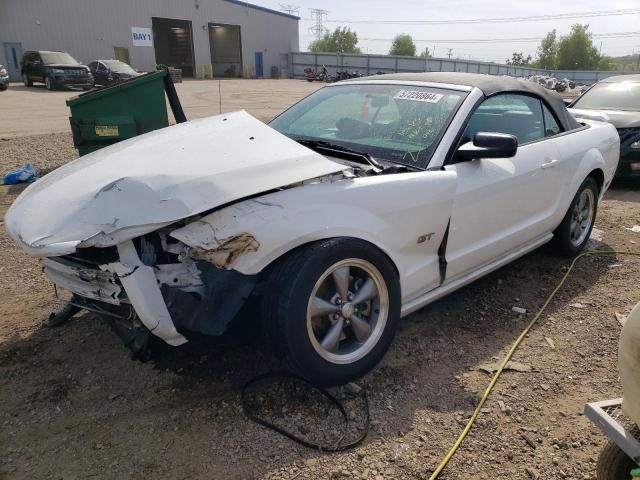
{"x": 320, "y": 76}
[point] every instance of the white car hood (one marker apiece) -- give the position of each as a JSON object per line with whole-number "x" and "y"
{"x": 619, "y": 118}
{"x": 138, "y": 185}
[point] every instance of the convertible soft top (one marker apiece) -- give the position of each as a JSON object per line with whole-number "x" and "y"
{"x": 489, "y": 85}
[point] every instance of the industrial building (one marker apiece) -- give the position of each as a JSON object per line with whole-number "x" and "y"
{"x": 237, "y": 38}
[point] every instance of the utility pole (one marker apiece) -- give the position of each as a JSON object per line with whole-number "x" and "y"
{"x": 290, "y": 9}
{"x": 318, "y": 16}
{"x": 449, "y": 52}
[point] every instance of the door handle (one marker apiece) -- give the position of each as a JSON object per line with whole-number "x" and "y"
{"x": 550, "y": 164}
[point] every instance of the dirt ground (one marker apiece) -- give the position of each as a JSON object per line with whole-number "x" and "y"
{"x": 76, "y": 406}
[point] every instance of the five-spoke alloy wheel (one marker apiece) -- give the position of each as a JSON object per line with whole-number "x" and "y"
{"x": 331, "y": 309}
{"x": 573, "y": 233}
{"x": 348, "y": 310}
{"x": 582, "y": 216}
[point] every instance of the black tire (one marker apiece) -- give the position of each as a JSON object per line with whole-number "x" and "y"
{"x": 3, "y": 87}
{"x": 562, "y": 236}
{"x": 26, "y": 80}
{"x": 48, "y": 83}
{"x": 614, "y": 464}
{"x": 286, "y": 300}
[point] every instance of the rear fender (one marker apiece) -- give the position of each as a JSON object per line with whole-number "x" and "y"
{"x": 405, "y": 215}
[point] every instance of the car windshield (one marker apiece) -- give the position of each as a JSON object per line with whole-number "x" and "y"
{"x": 51, "y": 58}
{"x": 118, "y": 67}
{"x": 611, "y": 96}
{"x": 397, "y": 123}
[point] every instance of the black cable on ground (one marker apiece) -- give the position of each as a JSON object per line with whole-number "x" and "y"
{"x": 338, "y": 447}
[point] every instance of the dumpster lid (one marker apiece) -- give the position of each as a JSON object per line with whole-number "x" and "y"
{"x": 105, "y": 92}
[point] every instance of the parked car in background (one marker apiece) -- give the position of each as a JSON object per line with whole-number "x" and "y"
{"x": 55, "y": 70}
{"x": 110, "y": 72}
{"x": 4, "y": 78}
{"x": 616, "y": 100}
{"x": 362, "y": 203}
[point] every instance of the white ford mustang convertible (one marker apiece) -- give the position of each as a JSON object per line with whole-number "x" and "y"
{"x": 362, "y": 203}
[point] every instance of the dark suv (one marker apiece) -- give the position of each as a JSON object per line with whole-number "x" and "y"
{"x": 4, "y": 78}
{"x": 55, "y": 70}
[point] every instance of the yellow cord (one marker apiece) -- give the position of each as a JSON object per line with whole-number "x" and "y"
{"x": 510, "y": 353}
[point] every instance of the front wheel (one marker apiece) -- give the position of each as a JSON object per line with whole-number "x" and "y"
{"x": 573, "y": 233}
{"x": 332, "y": 309}
{"x": 49, "y": 83}
{"x": 613, "y": 463}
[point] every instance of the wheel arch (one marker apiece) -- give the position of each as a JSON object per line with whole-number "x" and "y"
{"x": 598, "y": 175}
{"x": 273, "y": 264}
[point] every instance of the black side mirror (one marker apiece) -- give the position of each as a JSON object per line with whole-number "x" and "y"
{"x": 488, "y": 145}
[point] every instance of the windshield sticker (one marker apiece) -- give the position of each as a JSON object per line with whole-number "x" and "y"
{"x": 418, "y": 96}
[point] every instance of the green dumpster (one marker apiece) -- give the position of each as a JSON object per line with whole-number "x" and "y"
{"x": 109, "y": 115}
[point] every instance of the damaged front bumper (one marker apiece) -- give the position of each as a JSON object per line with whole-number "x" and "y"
{"x": 143, "y": 291}
{"x": 158, "y": 283}
{"x": 127, "y": 281}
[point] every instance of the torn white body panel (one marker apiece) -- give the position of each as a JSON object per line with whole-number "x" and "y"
{"x": 405, "y": 215}
{"x": 86, "y": 282}
{"x": 139, "y": 185}
{"x": 141, "y": 285}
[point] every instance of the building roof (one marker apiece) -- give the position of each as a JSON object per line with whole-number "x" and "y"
{"x": 263, "y": 9}
{"x": 489, "y": 85}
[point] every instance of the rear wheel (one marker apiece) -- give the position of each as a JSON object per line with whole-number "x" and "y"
{"x": 332, "y": 308}
{"x": 26, "y": 81}
{"x": 573, "y": 233}
{"x": 614, "y": 464}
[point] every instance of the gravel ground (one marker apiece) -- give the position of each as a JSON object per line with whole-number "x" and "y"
{"x": 74, "y": 405}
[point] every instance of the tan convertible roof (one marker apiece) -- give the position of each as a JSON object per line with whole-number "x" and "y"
{"x": 489, "y": 85}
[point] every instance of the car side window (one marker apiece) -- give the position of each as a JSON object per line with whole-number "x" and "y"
{"x": 551, "y": 126}
{"x": 101, "y": 68}
{"x": 519, "y": 115}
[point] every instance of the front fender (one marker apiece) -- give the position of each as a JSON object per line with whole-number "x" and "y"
{"x": 405, "y": 215}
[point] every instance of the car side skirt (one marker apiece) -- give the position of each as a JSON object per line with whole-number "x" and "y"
{"x": 417, "y": 303}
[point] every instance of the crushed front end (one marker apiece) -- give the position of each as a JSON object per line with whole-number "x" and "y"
{"x": 152, "y": 283}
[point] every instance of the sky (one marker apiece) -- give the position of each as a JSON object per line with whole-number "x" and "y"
{"x": 498, "y": 38}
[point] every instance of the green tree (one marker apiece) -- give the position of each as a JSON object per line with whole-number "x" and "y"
{"x": 547, "y": 52}
{"x": 403, "y": 45}
{"x": 607, "y": 63}
{"x": 519, "y": 60}
{"x": 342, "y": 40}
{"x": 576, "y": 51}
